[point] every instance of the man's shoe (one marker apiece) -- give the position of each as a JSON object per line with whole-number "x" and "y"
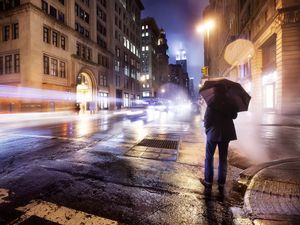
{"x": 206, "y": 184}
{"x": 221, "y": 189}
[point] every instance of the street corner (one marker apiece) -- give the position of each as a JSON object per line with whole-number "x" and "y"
{"x": 273, "y": 193}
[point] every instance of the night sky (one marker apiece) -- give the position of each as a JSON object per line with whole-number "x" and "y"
{"x": 179, "y": 19}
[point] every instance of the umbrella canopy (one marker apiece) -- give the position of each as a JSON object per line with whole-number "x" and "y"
{"x": 225, "y": 94}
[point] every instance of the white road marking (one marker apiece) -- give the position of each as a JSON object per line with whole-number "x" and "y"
{"x": 45, "y": 137}
{"x": 59, "y": 214}
{"x": 4, "y": 193}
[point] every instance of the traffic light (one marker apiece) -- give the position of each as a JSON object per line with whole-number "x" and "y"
{"x": 204, "y": 71}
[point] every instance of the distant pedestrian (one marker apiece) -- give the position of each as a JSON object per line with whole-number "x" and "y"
{"x": 220, "y": 130}
{"x": 77, "y": 108}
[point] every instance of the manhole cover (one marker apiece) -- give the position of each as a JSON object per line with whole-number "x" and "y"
{"x": 156, "y": 143}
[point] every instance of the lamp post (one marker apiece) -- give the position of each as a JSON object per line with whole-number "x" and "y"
{"x": 205, "y": 28}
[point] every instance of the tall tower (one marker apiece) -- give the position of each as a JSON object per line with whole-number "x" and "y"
{"x": 163, "y": 58}
{"x": 182, "y": 60}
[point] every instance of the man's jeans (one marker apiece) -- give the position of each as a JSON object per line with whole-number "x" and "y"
{"x": 209, "y": 161}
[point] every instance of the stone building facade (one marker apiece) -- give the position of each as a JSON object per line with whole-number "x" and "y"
{"x": 70, "y": 48}
{"x": 274, "y": 29}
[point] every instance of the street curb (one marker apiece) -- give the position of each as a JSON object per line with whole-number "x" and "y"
{"x": 279, "y": 195}
{"x": 249, "y": 173}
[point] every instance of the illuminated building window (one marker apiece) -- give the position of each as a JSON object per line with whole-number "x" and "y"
{"x": 17, "y": 63}
{"x": 103, "y": 100}
{"x": 103, "y": 60}
{"x": 126, "y": 100}
{"x": 117, "y": 65}
{"x": 102, "y": 79}
{"x": 63, "y": 42}
{"x": 117, "y": 50}
{"x": 146, "y": 27}
{"x": 147, "y": 77}
{"x": 46, "y": 34}
{"x": 143, "y": 48}
{"x": 55, "y": 38}
{"x": 147, "y": 34}
{"x": 143, "y": 27}
{"x": 8, "y": 64}
{"x": 146, "y": 93}
{"x": 62, "y": 69}
{"x": 46, "y": 64}
{"x": 147, "y": 48}
{"x": 53, "y": 67}
{"x": 143, "y": 34}
{"x": 126, "y": 70}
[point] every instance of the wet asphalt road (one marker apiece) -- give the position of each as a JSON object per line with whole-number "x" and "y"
{"x": 82, "y": 165}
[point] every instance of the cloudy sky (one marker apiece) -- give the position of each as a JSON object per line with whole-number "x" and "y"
{"x": 179, "y": 19}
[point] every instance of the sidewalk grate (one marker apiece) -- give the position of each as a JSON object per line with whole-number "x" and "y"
{"x": 156, "y": 149}
{"x": 156, "y": 143}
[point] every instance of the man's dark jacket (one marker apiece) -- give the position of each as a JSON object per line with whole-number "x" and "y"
{"x": 219, "y": 125}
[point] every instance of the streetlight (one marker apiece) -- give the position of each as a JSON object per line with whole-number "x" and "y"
{"x": 143, "y": 78}
{"x": 205, "y": 28}
{"x": 163, "y": 90}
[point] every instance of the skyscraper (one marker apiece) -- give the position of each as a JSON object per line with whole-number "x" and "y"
{"x": 149, "y": 58}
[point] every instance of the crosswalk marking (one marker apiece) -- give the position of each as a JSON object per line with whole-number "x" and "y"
{"x": 59, "y": 214}
{"x": 4, "y": 193}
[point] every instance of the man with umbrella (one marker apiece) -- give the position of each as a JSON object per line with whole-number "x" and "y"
{"x": 224, "y": 99}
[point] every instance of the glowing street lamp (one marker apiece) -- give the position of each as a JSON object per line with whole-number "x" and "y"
{"x": 163, "y": 90}
{"x": 143, "y": 78}
{"x": 206, "y": 26}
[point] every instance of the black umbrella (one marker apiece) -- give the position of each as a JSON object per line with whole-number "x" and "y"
{"x": 222, "y": 93}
